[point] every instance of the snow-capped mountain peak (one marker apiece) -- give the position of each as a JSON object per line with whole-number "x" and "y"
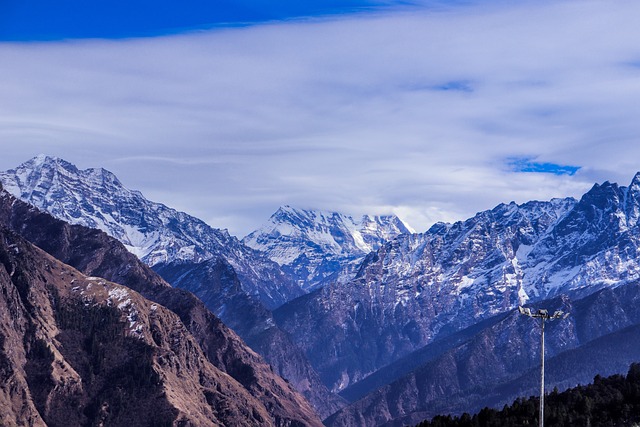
{"x": 96, "y": 198}
{"x": 154, "y": 232}
{"x": 314, "y": 245}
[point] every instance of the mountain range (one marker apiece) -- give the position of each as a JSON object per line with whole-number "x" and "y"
{"x": 577, "y": 255}
{"x": 154, "y": 232}
{"x": 401, "y": 325}
{"x": 237, "y": 283}
{"x": 316, "y": 247}
{"x": 91, "y": 336}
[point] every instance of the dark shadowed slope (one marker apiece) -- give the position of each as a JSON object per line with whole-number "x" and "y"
{"x": 78, "y": 350}
{"x": 96, "y": 254}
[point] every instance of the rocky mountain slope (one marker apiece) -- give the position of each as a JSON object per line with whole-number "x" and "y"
{"x": 154, "y": 232}
{"x": 212, "y": 343}
{"x": 419, "y": 287}
{"x": 316, "y": 247}
{"x": 237, "y": 283}
{"x": 87, "y": 351}
{"x": 418, "y": 291}
{"x": 424, "y": 317}
{"x": 215, "y": 283}
{"x": 498, "y": 362}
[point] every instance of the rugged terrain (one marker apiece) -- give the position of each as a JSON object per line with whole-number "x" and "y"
{"x": 215, "y": 283}
{"x": 417, "y": 288}
{"x": 316, "y": 248}
{"x": 423, "y": 322}
{"x": 154, "y": 232}
{"x": 209, "y": 346}
{"x": 237, "y": 283}
{"x": 494, "y": 363}
{"x": 581, "y": 254}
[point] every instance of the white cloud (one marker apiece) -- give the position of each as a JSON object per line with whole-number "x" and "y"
{"x": 347, "y": 114}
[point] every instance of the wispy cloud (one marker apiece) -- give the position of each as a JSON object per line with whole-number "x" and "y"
{"x": 413, "y": 113}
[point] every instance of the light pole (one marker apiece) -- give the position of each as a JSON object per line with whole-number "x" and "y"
{"x": 542, "y": 315}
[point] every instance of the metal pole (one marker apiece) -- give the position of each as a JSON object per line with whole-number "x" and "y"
{"x": 542, "y": 377}
{"x": 543, "y": 315}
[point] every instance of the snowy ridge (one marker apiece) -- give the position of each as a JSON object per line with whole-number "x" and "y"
{"x": 420, "y": 287}
{"x": 154, "y": 232}
{"x": 95, "y": 198}
{"x": 318, "y": 246}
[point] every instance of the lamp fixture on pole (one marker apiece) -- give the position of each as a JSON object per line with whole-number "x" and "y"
{"x": 543, "y": 315}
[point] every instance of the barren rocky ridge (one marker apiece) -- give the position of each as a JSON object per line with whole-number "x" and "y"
{"x": 199, "y": 370}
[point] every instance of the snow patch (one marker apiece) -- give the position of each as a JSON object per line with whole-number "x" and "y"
{"x": 522, "y": 252}
{"x": 118, "y": 294}
{"x": 465, "y": 282}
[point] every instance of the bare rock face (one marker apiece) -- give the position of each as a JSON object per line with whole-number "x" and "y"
{"x": 417, "y": 291}
{"x": 85, "y": 351}
{"x": 214, "y": 347}
{"x": 216, "y": 284}
{"x": 230, "y": 275}
{"x": 418, "y": 288}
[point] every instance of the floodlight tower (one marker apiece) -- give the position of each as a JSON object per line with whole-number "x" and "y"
{"x": 542, "y": 315}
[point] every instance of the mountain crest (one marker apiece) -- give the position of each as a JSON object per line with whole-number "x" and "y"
{"x": 155, "y": 233}
{"x": 314, "y": 245}
{"x": 83, "y": 350}
{"x": 45, "y": 169}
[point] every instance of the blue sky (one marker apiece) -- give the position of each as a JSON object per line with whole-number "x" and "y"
{"x": 430, "y": 110}
{"x": 52, "y": 20}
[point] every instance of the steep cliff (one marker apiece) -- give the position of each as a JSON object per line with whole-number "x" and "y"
{"x": 97, "y": 255}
